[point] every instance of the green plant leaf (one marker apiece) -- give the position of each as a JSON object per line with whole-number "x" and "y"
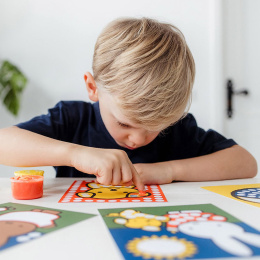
{"x": 12, "y": 102}
{"x": 6, "y": 72}
{"x": 12, "y": 84}
{"x": 18, "y": 82}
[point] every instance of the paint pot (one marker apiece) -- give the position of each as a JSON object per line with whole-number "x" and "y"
{"x": 27, "y": 187}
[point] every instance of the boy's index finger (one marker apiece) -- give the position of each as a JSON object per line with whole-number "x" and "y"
{"x": 137, "y": 181}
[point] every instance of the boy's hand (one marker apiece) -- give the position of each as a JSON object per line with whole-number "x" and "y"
{"x": 111, "y": 166}
{"x": 154, "y": 173}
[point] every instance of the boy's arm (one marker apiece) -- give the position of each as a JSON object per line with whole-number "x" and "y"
{"x": 23, "y": 148}
{"x": 231, "y": 163}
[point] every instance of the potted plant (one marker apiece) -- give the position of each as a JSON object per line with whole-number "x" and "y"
{"x": 12, "y": 84}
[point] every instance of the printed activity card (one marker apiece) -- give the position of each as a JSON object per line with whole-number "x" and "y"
{"x": 20, "y": 223}
{"x": 247, "y": 193}
{"x": 180, "y": 232}
{"x": 83, "y": 191}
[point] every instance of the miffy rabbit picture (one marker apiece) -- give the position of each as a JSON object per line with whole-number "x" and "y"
{"x": 181, "y": 232}
{"x": 21, "y": 223}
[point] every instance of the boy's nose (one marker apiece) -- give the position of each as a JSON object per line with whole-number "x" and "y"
{"x": 137, "y": 139}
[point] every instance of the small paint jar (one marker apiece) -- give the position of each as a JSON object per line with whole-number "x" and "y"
{"x": 27, "y": 187}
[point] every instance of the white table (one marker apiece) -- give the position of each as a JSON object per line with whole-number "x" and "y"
{"x": 90, "y": 239}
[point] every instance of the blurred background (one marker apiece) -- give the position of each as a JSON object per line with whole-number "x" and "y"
{"x": 52, "y": 43}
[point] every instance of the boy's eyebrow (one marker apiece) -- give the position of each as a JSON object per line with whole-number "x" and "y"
{"x": 136, "y": 127}
{"x": 122, "y": 122}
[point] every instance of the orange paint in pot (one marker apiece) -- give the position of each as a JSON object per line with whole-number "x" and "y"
{"x": 27, "y": 187}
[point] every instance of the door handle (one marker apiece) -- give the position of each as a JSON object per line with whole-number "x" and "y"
{"x": 230, "y": 93}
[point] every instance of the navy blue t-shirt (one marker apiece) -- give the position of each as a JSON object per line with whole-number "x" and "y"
{"x": 81, "y": 123}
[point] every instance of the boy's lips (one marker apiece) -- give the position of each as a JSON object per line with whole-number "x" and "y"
{"x": 126, "y": 146}
{"x": 129, "y": 147}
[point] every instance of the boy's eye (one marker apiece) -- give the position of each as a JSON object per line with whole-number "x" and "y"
{"x": 122, "y": 124}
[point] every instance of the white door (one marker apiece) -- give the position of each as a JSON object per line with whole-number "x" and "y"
{"x": 241, "y": 21}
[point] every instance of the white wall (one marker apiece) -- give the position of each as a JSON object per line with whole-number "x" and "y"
{"x": 241, "y": 64}
{"x": 53, "y": 41}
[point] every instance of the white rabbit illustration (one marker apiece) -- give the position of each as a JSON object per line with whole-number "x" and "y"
{"x": 225, "y": 235}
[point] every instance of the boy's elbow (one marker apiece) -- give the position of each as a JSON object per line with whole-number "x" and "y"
{"x": 250, "y": 163}
{"x": 254, "y": 169}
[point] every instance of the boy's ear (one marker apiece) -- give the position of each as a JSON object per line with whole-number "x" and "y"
{"x": 91, "y": 86}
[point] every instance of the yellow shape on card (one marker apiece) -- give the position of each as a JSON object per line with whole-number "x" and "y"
{"x": 247, "y": 193}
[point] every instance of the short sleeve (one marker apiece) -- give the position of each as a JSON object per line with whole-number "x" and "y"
{"x": 193, "y": 141}
{"x": 58, "y": 123}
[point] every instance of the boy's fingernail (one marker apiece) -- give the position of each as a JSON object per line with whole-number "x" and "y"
{"x": 142, "y": 193}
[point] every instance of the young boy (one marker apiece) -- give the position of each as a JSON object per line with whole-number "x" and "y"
{"x": 138, "y": 130}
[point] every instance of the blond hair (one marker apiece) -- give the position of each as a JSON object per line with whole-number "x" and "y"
{"x": 148, "y": 67}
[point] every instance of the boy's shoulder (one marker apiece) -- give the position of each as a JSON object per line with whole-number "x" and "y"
{"x": 73, "y": 107}
{"x": 188, "y": 120}
{"x": 184, "y": 127}
{"x": 73, "y": 104}
{"x": 72, "y": 111}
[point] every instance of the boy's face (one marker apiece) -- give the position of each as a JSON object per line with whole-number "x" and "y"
{"x": 123, "y": 131}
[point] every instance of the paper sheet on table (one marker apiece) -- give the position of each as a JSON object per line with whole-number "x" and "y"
{"x": 20, "y": 223}
{"x": 83, "y": 191}
{"x": 180, "y": 232}
{"x": 247, "y": 193}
